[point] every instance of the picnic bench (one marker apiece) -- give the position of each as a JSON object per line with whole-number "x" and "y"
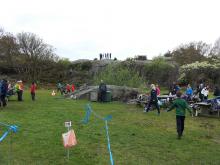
{"x": 201, "y": 108}
{"x": 209, "y": 107}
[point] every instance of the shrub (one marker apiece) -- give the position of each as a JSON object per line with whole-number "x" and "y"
{"x": 116, "y": 74}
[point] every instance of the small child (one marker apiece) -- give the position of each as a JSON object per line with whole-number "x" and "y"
{"x": 181, "y": 105}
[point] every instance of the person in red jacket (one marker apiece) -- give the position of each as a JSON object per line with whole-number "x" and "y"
{"x": 33, "y": 89}
{"x": 68, "y": 88}
{"x": 73, "y": 88}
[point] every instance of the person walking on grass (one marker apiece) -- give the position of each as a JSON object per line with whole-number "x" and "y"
{"x": 33, "y": 89}
{"x": 181, "y": 105}
{"x": 153, "y": 100}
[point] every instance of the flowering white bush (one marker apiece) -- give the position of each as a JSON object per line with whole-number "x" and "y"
{"x": 209, "y": 71}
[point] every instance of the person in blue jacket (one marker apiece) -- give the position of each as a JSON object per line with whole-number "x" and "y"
{"x": 4, "y": 90}
{"x": 189, "y": 92}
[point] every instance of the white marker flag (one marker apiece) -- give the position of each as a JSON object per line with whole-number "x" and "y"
{"x": 69, "y": 139}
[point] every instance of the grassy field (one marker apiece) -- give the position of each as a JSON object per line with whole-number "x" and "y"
{"x": 137, "y": 138}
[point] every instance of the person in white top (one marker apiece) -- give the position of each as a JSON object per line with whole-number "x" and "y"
{"x": 205, "y": 92}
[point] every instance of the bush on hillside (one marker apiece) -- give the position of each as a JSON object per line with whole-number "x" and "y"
{"x": 116, "y": 74}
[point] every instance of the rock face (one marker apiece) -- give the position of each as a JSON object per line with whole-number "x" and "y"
{"x": 118, "y": 93}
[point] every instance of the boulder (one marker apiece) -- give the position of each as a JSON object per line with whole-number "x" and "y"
{"x": 118, "y": 93}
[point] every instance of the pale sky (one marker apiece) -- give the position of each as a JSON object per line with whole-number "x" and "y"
{"x": 81, "y": 29}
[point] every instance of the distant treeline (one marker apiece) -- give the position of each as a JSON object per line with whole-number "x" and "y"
{"x": 26, "y": 56}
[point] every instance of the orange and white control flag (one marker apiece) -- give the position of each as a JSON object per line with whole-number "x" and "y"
{"x": 69, "y": 139}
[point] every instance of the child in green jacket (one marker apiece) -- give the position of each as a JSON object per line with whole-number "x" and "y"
{"x": 181, "y": 105}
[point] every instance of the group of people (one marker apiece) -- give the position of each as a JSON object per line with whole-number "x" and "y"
{"x": 7, "y": 90}
{"x": 180, "y": 103}
{"x": 65, "y": 88}
{"x": 202, "y": 92}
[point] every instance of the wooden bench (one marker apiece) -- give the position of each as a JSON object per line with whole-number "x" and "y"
{"x": 202, "y": 108}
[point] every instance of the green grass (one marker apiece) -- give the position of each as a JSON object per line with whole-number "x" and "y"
{"x": 136, "y": 138}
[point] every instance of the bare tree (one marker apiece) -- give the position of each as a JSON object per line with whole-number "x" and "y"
{"x": 35, "y": 53}
{"x": 8, "y": 50}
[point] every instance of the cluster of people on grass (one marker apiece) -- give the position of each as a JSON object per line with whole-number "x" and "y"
{"x": 7, "y": 90}
{"x": 201, "y": 93}
{"x": 180, "y": 103}
{"x": 65, "y": 88}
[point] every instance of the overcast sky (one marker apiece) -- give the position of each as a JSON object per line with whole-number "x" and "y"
{"x": 81, "y": 29}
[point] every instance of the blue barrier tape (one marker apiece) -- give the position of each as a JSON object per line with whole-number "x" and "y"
{"x": 4, "y": 135}
{"x": 109, "y": 144}
{"x": 12, "y": 128}
{"x": 89, "y": 111}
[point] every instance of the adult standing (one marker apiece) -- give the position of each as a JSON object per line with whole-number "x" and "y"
{"x": 17, "y": 89}
{"x": 102, "y": 91}
{"x": 205, "y": 93}
{"x": 33, "y": 90}
{"x": 200, "y": 88}
{"x": 181, "y": 105}
{"x": 153, "y": 100}
{"x": 0, "y": 92}
{"x": 4, "y": 89}
{"x": 20, "y": 90}
{"x": 68, "y": 88}
{"x": 189, "y": 92}
{"x": 216, "y": 91}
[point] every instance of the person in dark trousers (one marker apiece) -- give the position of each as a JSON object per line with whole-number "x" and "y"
{"x": 33, "y": 89}
{"x": 153, "y": 100}
{"x": 4, "y": 90}
{"x": 102, "y": 91}
{"x": 20, "y": 90}
{"x": 216, "y": 91}
{"x": 181, "y": 105}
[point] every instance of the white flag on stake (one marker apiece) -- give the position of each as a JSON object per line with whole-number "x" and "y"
{"x": 69, "y": 139}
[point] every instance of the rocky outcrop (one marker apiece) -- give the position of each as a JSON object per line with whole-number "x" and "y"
{"x": 118, "y": 93}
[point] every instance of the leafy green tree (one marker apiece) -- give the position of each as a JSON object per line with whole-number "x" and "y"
{"x": 160, "y": 71}
{"x": 192, "y": 52}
